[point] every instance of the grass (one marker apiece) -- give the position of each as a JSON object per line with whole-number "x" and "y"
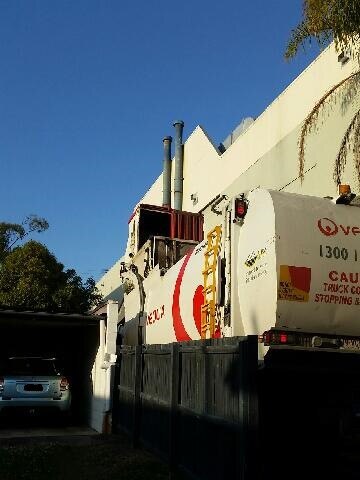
{"x": 52, "y": 461}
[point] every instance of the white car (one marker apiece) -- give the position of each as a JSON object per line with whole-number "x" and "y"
{"x": 33, "y": 383}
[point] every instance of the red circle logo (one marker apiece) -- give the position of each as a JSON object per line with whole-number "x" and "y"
{"x": 327, "y": 227}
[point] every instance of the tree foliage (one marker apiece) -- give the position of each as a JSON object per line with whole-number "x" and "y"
{"x": 325, "y": 20}
{"x": 12, "y": 233}
{"x": 337, "y": 20}
{"x": 32, "y": 278}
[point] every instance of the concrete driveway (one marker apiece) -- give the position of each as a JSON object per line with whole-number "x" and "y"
{"x": 23, "y": 427}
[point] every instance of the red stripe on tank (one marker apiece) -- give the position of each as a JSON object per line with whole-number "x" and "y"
{"x": 180, "y": 332}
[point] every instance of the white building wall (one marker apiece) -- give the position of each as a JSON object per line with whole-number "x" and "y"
{"x": 103, "y": 371}
{"x": 207, "y": 172}
{"x": 266, "y": 154}
{"x": 109, "y": 284}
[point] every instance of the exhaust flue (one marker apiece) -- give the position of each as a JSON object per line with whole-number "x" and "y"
{"x": 167, "y": 172}
{"x": 179, "y": 165}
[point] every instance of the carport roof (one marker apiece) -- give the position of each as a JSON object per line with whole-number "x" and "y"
{"x": 67, "y": 319}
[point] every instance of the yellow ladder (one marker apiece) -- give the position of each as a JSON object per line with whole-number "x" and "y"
{"x": 208, "y": 309}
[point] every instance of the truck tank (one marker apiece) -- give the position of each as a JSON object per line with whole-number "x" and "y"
{"x": 294, "y": 265}
{"x": 298, "y": 265}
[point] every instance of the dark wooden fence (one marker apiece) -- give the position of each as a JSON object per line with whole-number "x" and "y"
{"x": 195, "y": 404}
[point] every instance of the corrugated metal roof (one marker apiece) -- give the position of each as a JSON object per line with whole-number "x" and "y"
{"x": 68, "y": 318}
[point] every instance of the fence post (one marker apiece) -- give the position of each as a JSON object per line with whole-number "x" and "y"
{"x": 206, "y": 379}
{"x": 250, "y": 416}
{"x": 174, "y": 399}
{"x": 137, "y": 396}
{"x": 116, "y": 394}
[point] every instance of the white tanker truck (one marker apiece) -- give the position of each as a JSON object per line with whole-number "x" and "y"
{"x": 282, "y": 266}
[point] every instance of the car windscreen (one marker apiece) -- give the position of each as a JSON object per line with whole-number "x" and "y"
{"x": 28, "y": 366}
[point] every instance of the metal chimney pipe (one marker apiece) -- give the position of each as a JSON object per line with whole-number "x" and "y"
{"x": 167, "y": 172}
{"x": 179, "y": 165}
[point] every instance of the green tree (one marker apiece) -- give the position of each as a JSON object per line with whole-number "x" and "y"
{"x": 12, "y": 233}
{"x": 32, "y": 278}
{"x": 325, "y": 20}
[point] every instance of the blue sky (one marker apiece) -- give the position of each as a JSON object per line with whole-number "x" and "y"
{"x": 88, "y": 89}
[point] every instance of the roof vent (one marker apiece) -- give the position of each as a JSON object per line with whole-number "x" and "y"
{"x": 239, "y": 130}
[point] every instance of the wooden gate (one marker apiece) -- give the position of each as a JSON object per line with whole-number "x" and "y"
{"x": 194, "y": 403}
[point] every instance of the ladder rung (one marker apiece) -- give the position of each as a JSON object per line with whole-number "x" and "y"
{"x": 209, "y": 289}
{"x": 205, "y": 309}
{"x": 211, "y": 251}
{"x": 209, "y": 270}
